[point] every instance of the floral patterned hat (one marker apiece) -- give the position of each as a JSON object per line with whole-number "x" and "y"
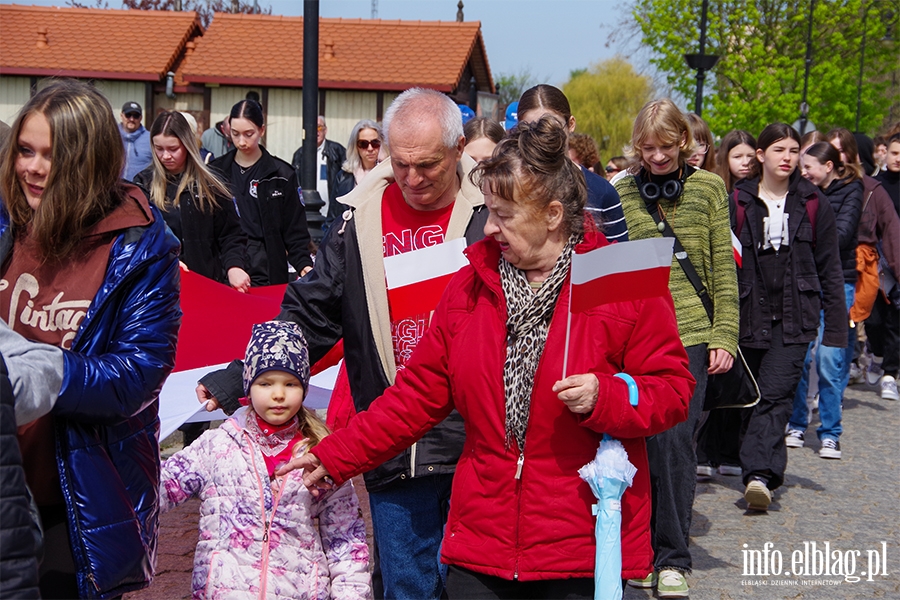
{"x": 276, "y": 345}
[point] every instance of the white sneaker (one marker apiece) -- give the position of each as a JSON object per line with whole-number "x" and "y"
{"x": 889, "y": 388}
{"x": 794, "y": 438}
{"x": 874, "y": 372}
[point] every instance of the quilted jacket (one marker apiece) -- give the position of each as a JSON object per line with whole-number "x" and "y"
{"x": 259, "y": 539}
{"x": 537, "y": 525}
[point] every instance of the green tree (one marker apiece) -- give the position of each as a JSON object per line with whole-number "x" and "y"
{"x": 511, "y": 85}
{"x": 605, "y": 99}
{"x": 762, "y": 47}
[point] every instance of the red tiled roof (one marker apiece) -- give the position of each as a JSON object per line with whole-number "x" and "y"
{"x": 95, "y": 43}
{"x": 353, "y": 53}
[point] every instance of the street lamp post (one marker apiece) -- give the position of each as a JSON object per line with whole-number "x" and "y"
{"x": 311, "y": 199}
{"x": 701, "y": 61}
{"x": 804, "y": 107}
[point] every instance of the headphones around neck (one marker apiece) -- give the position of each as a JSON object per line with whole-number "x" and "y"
{"x": 670, "y": 190}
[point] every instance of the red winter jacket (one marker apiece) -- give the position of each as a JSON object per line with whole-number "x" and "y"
{"x": 539, "y": 526}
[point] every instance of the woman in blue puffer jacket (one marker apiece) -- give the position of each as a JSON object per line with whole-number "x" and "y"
{"x": 88, "y": 265}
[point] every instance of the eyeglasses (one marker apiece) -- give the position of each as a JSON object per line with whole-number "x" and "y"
{"x": 364, "y": 144}
{"x": 702, "y": 148}
{"x": 610, "y": 169}
{"x": 321, "y": 128}
{"x": 132, "y": 115}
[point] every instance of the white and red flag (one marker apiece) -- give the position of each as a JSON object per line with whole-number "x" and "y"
{"x": 621, "y": 272}
{"x": 416, "y": 280}
{"x": 738, "y": 249}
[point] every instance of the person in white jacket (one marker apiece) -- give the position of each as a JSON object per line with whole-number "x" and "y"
{"x": 260, "y": 535}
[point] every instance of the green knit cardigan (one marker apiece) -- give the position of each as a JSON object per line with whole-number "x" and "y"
{"x": 700, "y": 220}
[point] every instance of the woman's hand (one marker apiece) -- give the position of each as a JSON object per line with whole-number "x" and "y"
{"x": 205, "y": 396}
{"x": 315, "y": 475}
{"x": 238, "y": 279}
{"x": 183, "y": 266}
{"x": 720, "y": 361}
{"x": 578, "y": 392}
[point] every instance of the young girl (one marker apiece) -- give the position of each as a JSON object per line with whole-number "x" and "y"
{"x": 196, "y": 205}
{"x": 265, "y": 194}
{"x": 790, "y": 269}
{"x": 258, "y": 532}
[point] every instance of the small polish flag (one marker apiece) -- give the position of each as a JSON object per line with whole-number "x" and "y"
{"x": 416, "y": 280}
{"x": 738, "y": 249}
{"x": 621, "y": 272}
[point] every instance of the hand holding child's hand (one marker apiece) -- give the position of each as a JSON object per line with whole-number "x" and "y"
{"x": 315, "y": 476}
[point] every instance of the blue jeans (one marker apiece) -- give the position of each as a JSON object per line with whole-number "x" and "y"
{"x": 408, "y": 522}
{"x": 833, "y": 367}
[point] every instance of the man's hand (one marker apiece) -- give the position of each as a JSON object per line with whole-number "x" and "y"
{"x": 205, "y": 396}
{"x": 720, "y": 361}
{"x": 315, "y": 475}
{"x": 578, "y": 392}
{"x": 305, "y": 271}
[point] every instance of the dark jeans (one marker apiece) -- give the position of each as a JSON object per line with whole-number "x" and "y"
{"x": 777, "y": 371}
{"x": 718, "y": 440}
{"x": 408, "y": 522}
{"x": 57, "y": 570}
{"x": 463, "y": 583}
{"x": 883, "y": 332}
{"x": 673, "y": 476}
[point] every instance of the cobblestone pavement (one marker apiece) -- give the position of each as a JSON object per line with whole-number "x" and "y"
{"x": 852, "y": 504}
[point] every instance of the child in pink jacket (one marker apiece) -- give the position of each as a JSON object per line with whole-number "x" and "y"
{"x": 259, "y": 537}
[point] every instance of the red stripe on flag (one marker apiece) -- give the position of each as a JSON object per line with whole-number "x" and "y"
{"x": 418, "y": 298}
{"x": 620, "y": 287}
{"x": 217, "y": 320}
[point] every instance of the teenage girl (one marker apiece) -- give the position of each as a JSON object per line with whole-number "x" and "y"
{"x": 704, "y": 156}
{"x": 841, "y": 185}
{"x": 196, "y": 204}
{"x": 790, "y": 270}
{"x": 265, "y": 192}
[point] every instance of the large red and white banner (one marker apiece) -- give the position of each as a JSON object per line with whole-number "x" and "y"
{"x": 215, "y": 329}
{"x": 416, "y": 280}
{"x": 621, "y": 272}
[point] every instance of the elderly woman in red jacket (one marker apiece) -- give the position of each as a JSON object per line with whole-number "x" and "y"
{"x": 520, "y": 520}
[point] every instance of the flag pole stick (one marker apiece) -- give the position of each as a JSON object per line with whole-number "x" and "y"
{"x": 568, "y": 330}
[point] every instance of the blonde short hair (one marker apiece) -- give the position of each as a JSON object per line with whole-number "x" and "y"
{"x": 665, "y": 121}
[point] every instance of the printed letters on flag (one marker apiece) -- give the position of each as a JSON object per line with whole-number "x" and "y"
{"x": 621, "y": 272}
{"x": 416, "y": 280}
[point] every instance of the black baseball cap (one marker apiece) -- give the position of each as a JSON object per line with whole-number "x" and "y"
{"x": 132, "y": 107}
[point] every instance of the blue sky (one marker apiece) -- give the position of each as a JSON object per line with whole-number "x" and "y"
{"x": 548, "y": 38}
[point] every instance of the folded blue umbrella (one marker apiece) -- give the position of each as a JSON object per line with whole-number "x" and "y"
{"x": 608, "y": 475}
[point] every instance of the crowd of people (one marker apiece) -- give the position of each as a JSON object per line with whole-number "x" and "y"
{"x": 470, "y": 419}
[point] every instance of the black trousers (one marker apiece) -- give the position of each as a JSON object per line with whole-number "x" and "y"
{"x": 463, "y": 583}
{"x": 718, "y": 440}
{"x": 883, "y": 332}
{"x": 777, "y": 371}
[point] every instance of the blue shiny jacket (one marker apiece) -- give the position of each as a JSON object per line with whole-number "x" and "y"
{"x": 106, "y": 417}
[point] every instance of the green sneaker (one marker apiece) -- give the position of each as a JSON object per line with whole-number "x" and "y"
{"x": 647, "y": 582}
{"x": 671, "y": 584}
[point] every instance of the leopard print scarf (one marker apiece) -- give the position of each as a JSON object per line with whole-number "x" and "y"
{"x": 526, "y": 333}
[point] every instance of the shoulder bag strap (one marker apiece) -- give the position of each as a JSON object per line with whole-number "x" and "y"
{"x": 683, "y": 260}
